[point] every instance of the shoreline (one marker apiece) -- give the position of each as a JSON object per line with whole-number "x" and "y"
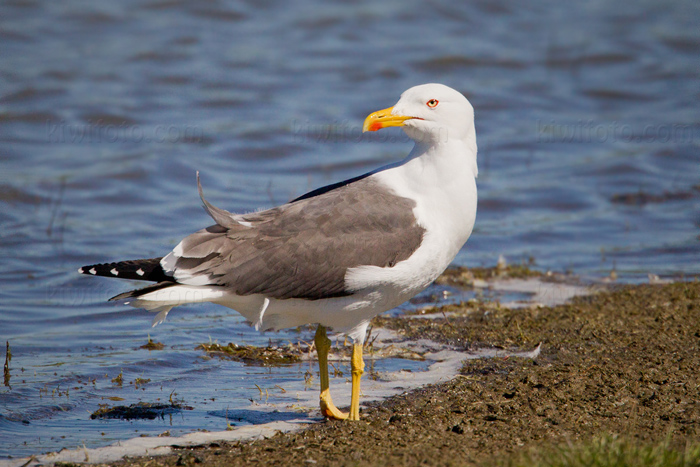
{"x": 611, "y": 363}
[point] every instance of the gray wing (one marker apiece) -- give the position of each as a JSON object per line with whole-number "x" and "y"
{"x": 301, "y": 249}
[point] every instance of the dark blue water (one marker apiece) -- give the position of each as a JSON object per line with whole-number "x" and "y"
{"x": 588, "y": 123}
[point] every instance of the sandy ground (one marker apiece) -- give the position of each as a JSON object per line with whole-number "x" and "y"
{"x": 623, "y": 362}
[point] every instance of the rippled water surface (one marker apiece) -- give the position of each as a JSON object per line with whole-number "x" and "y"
{"x": 589, "y": 148}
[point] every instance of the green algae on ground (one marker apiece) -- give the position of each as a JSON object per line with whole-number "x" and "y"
{"x": 138, "y": 382}
{"x": 141, "y": 410}
{"x": 466, "y": 277}
{"x": 609, "y": 451}
{"x": 150, "y": 345}
{"x": 119, "y": 379}
{"x": 250, "y": 355}
{"x": 459, "y": 309}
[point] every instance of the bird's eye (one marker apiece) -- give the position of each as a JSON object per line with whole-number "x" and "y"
{"x": 432, "y": 103}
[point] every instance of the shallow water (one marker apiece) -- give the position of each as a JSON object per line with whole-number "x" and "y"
{"x": 107, "y": 109}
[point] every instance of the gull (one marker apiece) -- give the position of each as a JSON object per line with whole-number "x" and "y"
{"x": 339, "y": 255}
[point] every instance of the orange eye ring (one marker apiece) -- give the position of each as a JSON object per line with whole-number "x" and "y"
{"x": 432, "y": 103}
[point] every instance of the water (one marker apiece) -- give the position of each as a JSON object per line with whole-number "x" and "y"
{"x": 107, "y": 109}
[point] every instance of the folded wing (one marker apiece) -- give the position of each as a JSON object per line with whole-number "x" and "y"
{"x": 302, "y": 249}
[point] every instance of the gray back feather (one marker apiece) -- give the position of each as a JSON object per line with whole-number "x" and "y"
{"x": 303, "y": 249}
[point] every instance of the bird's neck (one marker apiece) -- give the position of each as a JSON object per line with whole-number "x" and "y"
{"x": 447, "y": 158}
{"x": 440, "y": 178}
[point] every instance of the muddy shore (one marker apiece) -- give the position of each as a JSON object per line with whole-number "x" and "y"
{"x": 623, "y": 362}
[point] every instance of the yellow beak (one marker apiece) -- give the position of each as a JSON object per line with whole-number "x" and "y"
{"x": 382, "y": 119}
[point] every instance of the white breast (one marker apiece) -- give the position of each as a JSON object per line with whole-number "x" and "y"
{"x": 442, "y": 183}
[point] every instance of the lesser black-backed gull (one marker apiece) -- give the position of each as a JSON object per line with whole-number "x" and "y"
{"x": 341, "y": 254}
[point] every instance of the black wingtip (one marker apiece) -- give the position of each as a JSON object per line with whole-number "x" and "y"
{"x": 140, "y": 269}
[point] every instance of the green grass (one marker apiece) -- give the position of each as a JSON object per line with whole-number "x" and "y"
{"x": 610, "y": 451}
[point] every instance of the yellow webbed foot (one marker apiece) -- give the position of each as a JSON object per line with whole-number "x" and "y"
{"x": 328, "y": 409}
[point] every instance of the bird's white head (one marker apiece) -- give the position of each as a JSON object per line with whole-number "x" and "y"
{"x": 429, "y": 114}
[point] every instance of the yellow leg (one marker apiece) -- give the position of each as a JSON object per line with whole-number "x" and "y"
{"x": 358, "y": 367}
{"x": 323, "y": 345}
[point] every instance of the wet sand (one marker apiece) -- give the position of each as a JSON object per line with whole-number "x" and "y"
{"x": 620, "y": 362}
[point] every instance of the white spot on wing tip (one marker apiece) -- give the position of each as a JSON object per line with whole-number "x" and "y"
{"x": 80, "y": 270}
{"x": 92, "y": 271}
{"x": 140, "y": 272}
{"x": 114, "y": 271}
